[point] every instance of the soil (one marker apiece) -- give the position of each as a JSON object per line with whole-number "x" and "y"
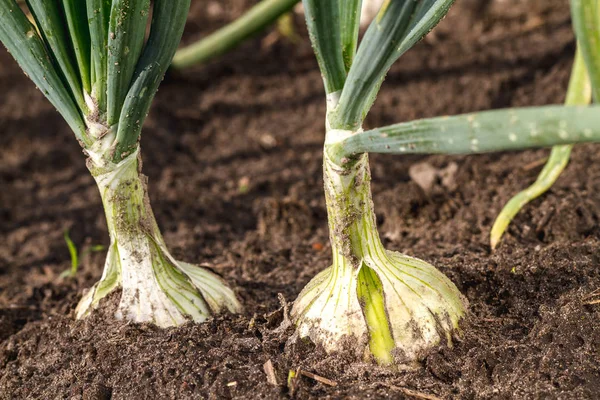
{"x": 233, "y": 153}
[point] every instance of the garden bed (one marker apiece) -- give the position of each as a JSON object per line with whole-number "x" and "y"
{"x": 233, "y": 153}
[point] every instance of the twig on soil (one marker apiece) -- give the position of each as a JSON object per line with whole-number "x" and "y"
{"x": 491, "y": 319}
{"x": 413, "y": 393}
{"x": 293, "y": 375}
{"x": 535, "y": 164}
{"x": 270, "y": 372}
{"x": 594, "y": 293}
{"x": 287, "y": 322}
{"x": 286, "y": 310}
{"x": 587, "y": 298}
{"x": 316, "y": 377}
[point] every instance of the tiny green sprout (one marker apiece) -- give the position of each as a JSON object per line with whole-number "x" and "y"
{"x": 291, "y": 377}
{"x": 390, "y": 307}
{"x": 292, "y": 382}
{"x": 95, "y": 63}
{"x": 74, "y": 254}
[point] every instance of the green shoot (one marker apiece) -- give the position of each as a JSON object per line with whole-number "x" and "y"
{"x": 48, "y": 17}
{"x": 324, "y": 18}
{"x": 74, "y": 256}
{"x": 164, "y": 37}
{"x": 579, "y": 93}
{"x": 255, "y": 20}
{"x": 586, "y": 21}
{"x": 92, "y": 61}
{"x": 404, "y": 306}
{"x": 98, "y": 12}
{"x": 75, "y": 259}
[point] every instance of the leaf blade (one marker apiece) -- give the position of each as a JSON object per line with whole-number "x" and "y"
{"x": 350, "y": 11}
{"x": 397, "y": 27}
{"x": 372, "y": 62}
{"x": 323, "y": 22}
{"x": 98, "y": 12}
{"x": 76, "y": 16}
{"x": 127, "y": 28}
{"x": 49, "y": 19}
{"x": 578, "y": 93}
{"x": 497, "y": 130}
{"x": 168, "y": 21}
{"x": 586, "y": 24}
{"x": 21, "y": 39}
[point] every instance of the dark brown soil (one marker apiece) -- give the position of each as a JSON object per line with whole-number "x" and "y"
{"x": 233, "y": 152}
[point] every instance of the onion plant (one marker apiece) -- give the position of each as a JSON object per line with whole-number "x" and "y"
{"x": 388, "y": 305}
{"x": 586, "y": 21}
{"x": 92, "y": 60}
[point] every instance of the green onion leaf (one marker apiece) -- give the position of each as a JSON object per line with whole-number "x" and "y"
{"x": 397, "y": 27}
{"x": 350, "y": 11}
{"x": 49, "y": 18}
{"x": 256, "y": 19}
{"x": 586, "y": 23}
{"x": 98, "y": 12}
{"x": 557, "y": 162}
{"x": 127, "y": 28}
{"x": 427, "y": 15}
{"x": 21, "y": 39}
{"x": 168, "y": 21}
{"x": 497, "y": 130}
{"x": 324, "y": 29}
{"x": 77, "y": 21}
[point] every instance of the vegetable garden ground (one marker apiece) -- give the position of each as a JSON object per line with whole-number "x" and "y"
{"x": 233, "y": 153}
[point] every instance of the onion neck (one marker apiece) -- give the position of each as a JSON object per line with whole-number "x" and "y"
{"x": 352, "y": 222}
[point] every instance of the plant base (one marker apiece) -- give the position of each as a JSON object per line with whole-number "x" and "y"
{"x": 156, "y": 288}
{"x": 395, "y": 307}
{"x": 391, "y": 306}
